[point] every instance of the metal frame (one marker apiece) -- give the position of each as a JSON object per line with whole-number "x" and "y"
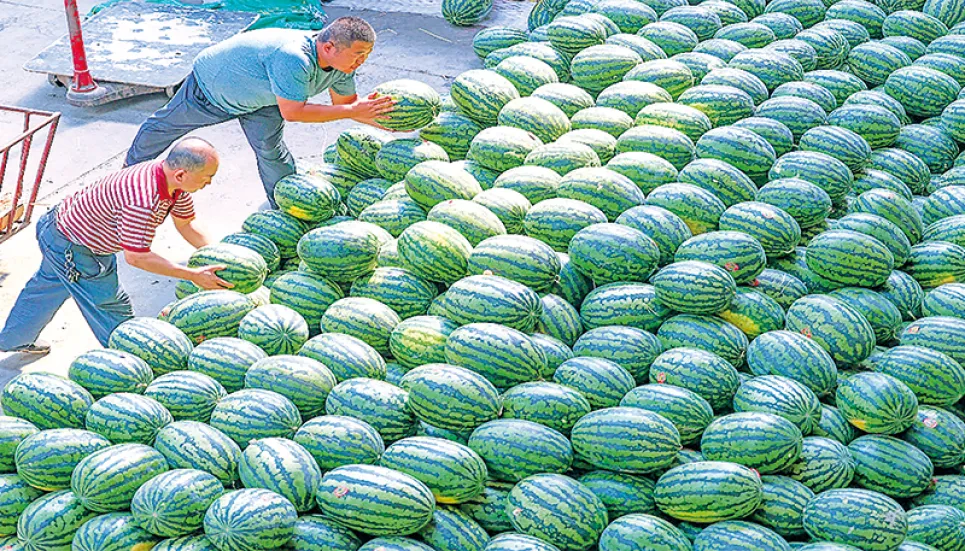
{"x": 34, "y": 122}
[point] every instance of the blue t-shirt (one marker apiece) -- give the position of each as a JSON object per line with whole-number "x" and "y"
{"x": 247, "y": 71}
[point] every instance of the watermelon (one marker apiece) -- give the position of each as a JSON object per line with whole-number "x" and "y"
{"x": 935, "y": 378}
{"x": 626, "y": 439}
{"x": 631, "y": 96}
{"x": 416, "y": 103}
{"x": 46, "y": 400}
{"x": 103, "y": 372}
{"x": 378, "y": 403}
{"x": 704, "y": 333}
{"x": 877, "y": 403}
{"x": 556, "y": 221}
{"x": 49, "y": 523}
{"x": 602, "y": 143}
{"x": 610, "y": 253}
{"x": 335, "y": 441}
{"x": 453, "y": 472}
{"x": 282, "y": 229}
{"x": 780, "y": 396}
{"x": 571, "y": 99}
{"x": 771, "y": 66}
{"x": 487, "y": 298}
{"x": 724, "y": 535}
{"x": 936, "y": 263}
{"x": 502, "y": 355}
{"x": 186, "y": 395}
{"x": 38, "y": 468}
{"x": 945, "y": 300}
{"x": 535, "y": 115}
{"x": 128, "y": 418}
{"x": 667, "y": 143}
{"x": 282, "y": 466}
{"x": 474, "y": 221}
{"x": 420, "y": 340}
{"x": 553, "y": 405}
{"x": 774, "y": 228}
{"x": 694, "y": 287}
{"x": 514, "y": 449}
{"x": 109, "y": 532}
{"x": 491, "y": 39}
{"x": 777, "y": 441}
{"x": 739, "y": 254}
{"x": 434, "y": 251}
{"x": 602, "y": 382}
{"x": 193, "y": 315}
{"x": 689, "y": 413}
{"x": 258, "y": 243}
{"x": 782, "y": 509}
{"x": 883, "y": 524}
{"x": 306, "y": 293}
{"x": 400, "y": 155}
{"x": 819, "y": 317}
{"x": 306, "y": 197}
{"x": 689, "y": 120}
{"x": 698, "y": 208}
{"x": 750, "y": 35}
{"x": 708, "y": 491}
{"x": 450, "y": 397}
{"x": 466, "y": 13}
{"x": 784, "y": 288}
{"x": 642, "y": 531}
{"x": 572, "y": 525}
{"x": 937, "y": 525}
{"x": 607, "y": 119}
{"x": 942, "y": 334}
{"x": 721, "y": 178}
{"x": 361, "y": 497}
{"x": 903, "y": 84}
{"x": 105, "y": 481}
{"x": 249, "y": 520}
{"x": 874, "y": 458}
{"x": 632, "y": 348}
{"x": 831, "y": 253}
{"x": 316, "y": 533}
{"x": 275, "y": 328}
{"x": 193, "y": 445}
{"x": 673, "y": 76}
{"x": 704, "y": 373}
{"x": 172, "y": 504}
{"x": 346, "y": 356}
{"x": 452, "y": 529}
{"x": 672, "y": 36}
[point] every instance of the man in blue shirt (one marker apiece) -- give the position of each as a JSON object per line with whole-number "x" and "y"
{"x": 264, "y": 78}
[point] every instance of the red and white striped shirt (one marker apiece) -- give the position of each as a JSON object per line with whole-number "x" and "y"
{"x": 122, "y": 211}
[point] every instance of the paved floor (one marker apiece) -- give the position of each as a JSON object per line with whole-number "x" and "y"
{"x": 413, "y": 43}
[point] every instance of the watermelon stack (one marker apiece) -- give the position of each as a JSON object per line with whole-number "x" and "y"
{"x": 658, "y": 276}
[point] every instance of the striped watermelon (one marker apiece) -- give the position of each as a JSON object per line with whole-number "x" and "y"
{"x": 694, "y": 287}
{"x": 306, "y": 293}
{"x": 597, "y": 67}
{"x": 761, "y": 441}
{"x": 346, "y": 356}
{"x": 877, "y": 403}
{"x": 534, "y": 182}
{"x": 733, "y": 533}
{"x": 49, "y": 523}
{"x": 780, "y": 396}
{"x": 837, "y": 327}
{"x": 452, "y": 530}
{"x": 607, "y": 119}
{"x": 106, "y": 480}
{"x": 632, "y": 348}
{"x": 833, "y": 516}
{"x": 666, "y": 229}
{"x": 128, "y": 418}
{"x": 357, "y": 148}
{"x": 945, "y": 300}
{"x": 689, "y": 120}
{"x": 210, "y": 314}
{"x": 45, "y": 471}
{"x": 416, "y": 103}
{"x": 553, "y": 405}
{"x": 474, "y": 221}
{"x": 602, "y": 382}
{"x": 875, "y": 459}
{"x": 421, "y": 340}
{"x": 13, "y": 431}
{"x": 275, "y": 328}
{"x": 689, "y": 413}
{"x": 833, "y": 255}
{"x": 111, "y": 531}
{"x": 739, "y": 254}
{"x": 307, "y": 197}
{"x": 378, "y": 403}
{"x": 824, "y": 464}
{"x": 556, "y": 221}
{"x": 282, "y": 466}
{"x": 494, "y": 38}
{"x": 375, "y": 500}
{"x": 304, "y": 381}
{"x": 46, "y": 400}
{"x": 632, "y": 96}
{"x": 335, "y": 441}
{"x": 366, "y": 319}
{"x": 782, "y": 509}
{"x": 160, "y": 344}
{"x": 434, "y": 251}
{"x": 453, "y": 472}
{"x": 250, "y": 520}
{"x": 667, "y": 143}
{"x": 186, "y": 395}
{"x": 450, "y": 397}
{"x": 935, "y": 378}
{"x": 193, "y": 445}
{"x": 486, "y": 298}
{"x": 627, "y": 254}
{"x": 400, "y": 155}
{"x": 282, "y": 229}
{"x": 315, "y": 533}
{"x": 754, "y": 313}
{"x": 936, "y": 263}
{"x": 226, "y": 360}
{"x": 107, "y": 371}
{"x": 942, "y": 334}
{"x": 626, "y": 439}
{"x": 342, "y": 252}
{"x": 704, "y": 373}
{"x": 186, "y": 543}
{"x": 906, "y": 84}
{"x": 453, "y": 132}
{"x": 504, "y": 356}
{"x": 623, "y": 494}
{"x": 705, "y": 333}
{"x": 833, "y": 425}
{"x": 940, "y": 526}
{"x": 514, "y": 449}
{"x": 518, "y": 258}
{"x": 432, "y": 182}
{"x": 172, "y": 504}
{"x": 518, "y": 542}
{"x": 783, "y": 287}
{"x": 572, "y": 525}
{"x": 466, "y": 13}
{"x": 708, "y": 491}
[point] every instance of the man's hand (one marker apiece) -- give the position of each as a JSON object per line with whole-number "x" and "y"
{"x": 206, "y": 278}
{"x": 372, "y": 109}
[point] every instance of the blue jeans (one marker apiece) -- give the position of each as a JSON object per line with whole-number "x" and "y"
{"x": 189, "y": 110}
{"x": 67, "y": 270}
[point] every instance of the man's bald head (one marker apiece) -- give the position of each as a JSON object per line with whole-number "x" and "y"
{"x": 191, "y": 154}
{"x": 191, "y": 164}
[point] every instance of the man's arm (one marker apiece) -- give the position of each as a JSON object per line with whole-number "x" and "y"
{"x": 366, "y": 110}
{"x": 204, "y": 277}
{"x": 191, "y": 231}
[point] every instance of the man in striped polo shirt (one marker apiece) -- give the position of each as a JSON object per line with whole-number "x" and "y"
{"x": 79, "y": 237}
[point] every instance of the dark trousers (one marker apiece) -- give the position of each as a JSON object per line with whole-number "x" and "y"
{"x": 189, "y": 110}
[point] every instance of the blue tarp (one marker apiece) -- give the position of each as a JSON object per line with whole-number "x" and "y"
{"x": 289, "y": 14}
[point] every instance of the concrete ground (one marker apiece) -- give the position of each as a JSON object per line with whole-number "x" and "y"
{"x": 414, "y": 42}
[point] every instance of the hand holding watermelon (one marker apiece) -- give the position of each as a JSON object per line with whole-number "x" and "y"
{"x": 206, "y": 277}
{"x": 371, "y": 109}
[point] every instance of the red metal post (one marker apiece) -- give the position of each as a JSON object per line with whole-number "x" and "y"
{"x": 83, "y": 82}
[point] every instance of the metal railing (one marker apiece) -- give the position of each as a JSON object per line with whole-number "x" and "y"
{"x": 16, "y": 208}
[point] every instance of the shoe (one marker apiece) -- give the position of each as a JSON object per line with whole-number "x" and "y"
{"x": 39, "y": 347}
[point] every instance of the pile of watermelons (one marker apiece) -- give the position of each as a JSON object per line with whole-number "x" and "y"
{"x": 661, "y": 277}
